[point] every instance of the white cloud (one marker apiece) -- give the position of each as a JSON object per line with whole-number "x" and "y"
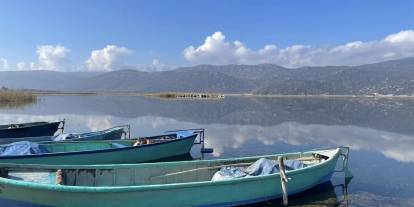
{"x": 51, "y": 57}
{"x": 4, "y": 65}
{"x": 403, "y": 36}
{"x": 155, "y": 66}
{"x": 156, "y": 63}
{"x": 22, "y": 66}
{"x": 108, "y": 58}
{"x": 217, "y": 50}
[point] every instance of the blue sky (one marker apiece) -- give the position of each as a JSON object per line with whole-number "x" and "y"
{"x": 162, "y": 30}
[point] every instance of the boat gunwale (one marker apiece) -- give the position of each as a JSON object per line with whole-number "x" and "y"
{"x": 34, "y": 124}
{"x": 92, "y": 151}
{"x": 112, "y": 129}
{"x": 84, "y": 135}
{"x": 119, "y": 189}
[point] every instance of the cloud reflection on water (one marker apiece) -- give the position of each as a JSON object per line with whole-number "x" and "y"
{"x": 222, "y": 136}
{"x": 74, "y": 123}
{"x": 392, "y": 145}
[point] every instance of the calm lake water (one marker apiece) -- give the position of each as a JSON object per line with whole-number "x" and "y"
{"x": 379, "y": 132}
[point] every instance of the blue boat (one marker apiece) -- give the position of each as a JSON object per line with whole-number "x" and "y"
{"x": 32, "y": 129}
{"x": 89, "y": 152}
{"x": 107, "y": 134}
{"x": 189, "y": 183}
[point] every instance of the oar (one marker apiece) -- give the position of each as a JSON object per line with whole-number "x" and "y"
{"x": 220, "y": 166}
{"x": 283, "y": 180}
{"x": 202, "y": 168}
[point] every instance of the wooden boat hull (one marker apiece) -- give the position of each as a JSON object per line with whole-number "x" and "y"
{"x": 205, "y": 193}
{"x": 101, "y": 135}
{"x": 109, "y": 156}
{"x": 30, "y": 130}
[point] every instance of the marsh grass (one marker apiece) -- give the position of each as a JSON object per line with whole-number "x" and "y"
{"x": 13, "y": 98}
{"x": 176, "y": 95}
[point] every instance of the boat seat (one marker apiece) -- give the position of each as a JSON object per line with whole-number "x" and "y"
{"x": 38, "y": 177}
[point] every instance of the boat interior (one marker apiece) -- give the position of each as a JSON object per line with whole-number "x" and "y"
{"x": 88, "y": 134}
{"x": 78, "y": 136}
{"x": 73, "y": 137}
{"x": 146, "y": 174}
{"x": 76, "y": 146}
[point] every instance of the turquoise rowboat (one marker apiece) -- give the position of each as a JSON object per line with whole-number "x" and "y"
{"x": 107, "y": 134}
{"x": 186, "y": 183}
{"x": 101, "y": 151}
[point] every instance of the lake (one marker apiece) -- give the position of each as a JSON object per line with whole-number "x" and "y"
{"x": 380, "y": 133}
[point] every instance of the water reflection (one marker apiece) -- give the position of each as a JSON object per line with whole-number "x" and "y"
{"x": 326, "y": 194}
{"x": 383, "y": 114}
{"x": 221, "y": 137}
{"x": 14, "y": 105}
{"x": 392, "y": 145}
{"x": 379, "y": 132}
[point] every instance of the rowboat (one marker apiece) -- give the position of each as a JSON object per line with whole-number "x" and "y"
{"x": 185, "y": 183}
{"x": 32, "y": 129}
{"x": 98, "y": 151}
{"x": 107, "y": 134}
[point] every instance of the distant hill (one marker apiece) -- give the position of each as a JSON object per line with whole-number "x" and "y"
{"x": 43, "y": 80}
{"x": 149, "y": 82}
{"x": 391, "y": 77}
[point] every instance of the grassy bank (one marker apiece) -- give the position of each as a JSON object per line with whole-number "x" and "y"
{"x": 12, "y": 98}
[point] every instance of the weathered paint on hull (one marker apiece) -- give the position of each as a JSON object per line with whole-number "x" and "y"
{"x": 223, "y": 193}
{"x": 113, "y": 156}
{"x": 48, "y": 129}
{"x": 116, "y": 134}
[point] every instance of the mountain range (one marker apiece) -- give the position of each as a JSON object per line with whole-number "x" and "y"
{"x": 391, "y": 77}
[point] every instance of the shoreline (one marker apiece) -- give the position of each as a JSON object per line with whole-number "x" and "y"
{"x": 210, "y": 95}
{"x": 322, "y": 96}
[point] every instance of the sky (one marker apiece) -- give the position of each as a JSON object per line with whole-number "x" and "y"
{"x": 103, "y": 35}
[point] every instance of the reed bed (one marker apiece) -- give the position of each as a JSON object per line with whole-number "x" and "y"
{"x": 10, "y": 98}
{"x": 174, "y": 95}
